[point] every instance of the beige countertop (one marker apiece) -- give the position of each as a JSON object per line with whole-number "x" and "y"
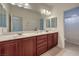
{"x": 16, "y": 36}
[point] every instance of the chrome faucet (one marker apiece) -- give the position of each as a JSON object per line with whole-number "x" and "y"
{"x": 19, "y": 33}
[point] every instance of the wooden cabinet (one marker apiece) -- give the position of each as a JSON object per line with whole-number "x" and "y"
{"x": 30, "y": 46}
{"x": 52, "y": 40}
{"x": 27, "y": 46}
{"x": 20, "y": 47}
{"x": 8, "y": 48}
{"x": 2, "y": 50}
{"x": 41, "y": 44}
{"x": 55, "y": 38}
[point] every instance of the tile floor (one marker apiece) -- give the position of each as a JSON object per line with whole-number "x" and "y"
{"x": 70, "y": 50}
{"x": 52, "y": 52}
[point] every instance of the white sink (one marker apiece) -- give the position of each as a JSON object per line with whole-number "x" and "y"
{"x": 7, "y": 37}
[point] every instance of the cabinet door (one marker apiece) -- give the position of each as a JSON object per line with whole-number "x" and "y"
{"x": 8, "y": 49}
{"x": 29, "y": 46}
{"x": 50, "y": 41}
{"x": 55, "y": 40}
{"x": 2, "y": 50}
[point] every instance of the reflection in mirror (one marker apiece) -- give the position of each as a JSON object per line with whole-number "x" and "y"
{"x": 42, "y": 24}
{"x": 48, "y": 23}
{"x": 2, "y": 18}
{"x": 17, "y": 24}
{"x": 24, "y": 19}
{"x": 54, "y": 22}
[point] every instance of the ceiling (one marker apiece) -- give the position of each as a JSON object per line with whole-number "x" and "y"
{"x": 49, "y": 6}
{"x": 38, "y": 6}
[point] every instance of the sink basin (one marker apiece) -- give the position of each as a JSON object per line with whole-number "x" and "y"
{"x": 6, "y": 37}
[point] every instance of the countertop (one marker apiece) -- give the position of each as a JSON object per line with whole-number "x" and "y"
{"x": 16, "y": 36}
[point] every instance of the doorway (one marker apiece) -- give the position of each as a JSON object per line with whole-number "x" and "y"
{"x": 71, "y": 29}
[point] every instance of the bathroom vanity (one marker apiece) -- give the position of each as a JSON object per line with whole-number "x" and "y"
{"x": 32, "y": 45}
{"x": 26, "y": 44}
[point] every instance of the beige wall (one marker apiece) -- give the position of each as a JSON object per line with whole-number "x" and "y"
{"x": 58, "y": 11}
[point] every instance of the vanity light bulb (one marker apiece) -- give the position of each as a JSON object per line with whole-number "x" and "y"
{"x": 20, "y": 5}
{"x": 44, "y": 11}
{"x": 49, "y": 13}
{"x": 26, "y": 4}
{"x": 13, "y": 3}
{"x": 28, "y": 7}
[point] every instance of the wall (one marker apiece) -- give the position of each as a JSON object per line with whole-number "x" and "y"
{"x": 30, "y": 19}
{"x": 58, "y": 11}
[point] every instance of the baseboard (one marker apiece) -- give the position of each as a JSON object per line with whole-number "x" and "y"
{"x": 73, "y": 42}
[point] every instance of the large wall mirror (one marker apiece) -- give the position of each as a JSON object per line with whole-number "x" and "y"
{"x": 51, "y": 22}
{"x": 22, "y": 19}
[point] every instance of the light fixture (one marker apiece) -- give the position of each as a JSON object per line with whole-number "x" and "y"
{"x": 45, "y": 12}
{"x": 19, "y": 5}
{"x": 27, "y": 6}
{"x": 24, "y": 5}
{"x": 13, "y": 3}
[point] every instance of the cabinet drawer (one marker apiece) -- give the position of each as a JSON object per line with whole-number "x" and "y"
{"x": 8, "y": 48}
{"x": 41, "y": 50}
{"x": 8, "y": 42}
{"x": 55, "y": 35}
{"x": 41, "y": 45}
{"x": 41, "y": 37}
{"x": 41, "y": 41}
{"x": 49, "y": 35}
{"x": 29, "y": 38}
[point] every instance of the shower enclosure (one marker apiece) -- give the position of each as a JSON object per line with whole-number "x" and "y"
{"x": 71, "y": 18}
